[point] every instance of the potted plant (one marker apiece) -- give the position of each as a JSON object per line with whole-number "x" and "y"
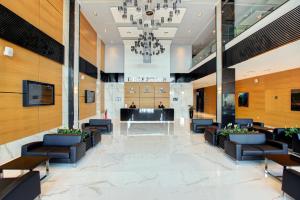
{"x": 86, "y": 137}
{"x": 230, "y": 129}
{"x": 191, "y": 111}
{"x": 289, "y": 134}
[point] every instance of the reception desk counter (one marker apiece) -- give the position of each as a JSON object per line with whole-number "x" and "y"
{"x": 146, "y": 114}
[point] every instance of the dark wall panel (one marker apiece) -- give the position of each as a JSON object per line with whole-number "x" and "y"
{"x": 18, "y": 31}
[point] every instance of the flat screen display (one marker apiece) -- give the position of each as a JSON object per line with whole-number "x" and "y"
{"x": 38, "y": 94}
{"x": 89, "y": 96}
{"x": 295, "y": 100}
{"x": 243, "y": 99}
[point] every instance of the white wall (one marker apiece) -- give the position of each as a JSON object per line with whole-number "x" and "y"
{"x": 181, "y": 58}
{"x": 114, "y": 58}
{"x": 134, "y": 67}
{"x": 183, "y": 93}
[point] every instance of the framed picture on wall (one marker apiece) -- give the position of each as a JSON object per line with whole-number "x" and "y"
{"x": 243, "y": 99}
{"x": 295, "y": 100}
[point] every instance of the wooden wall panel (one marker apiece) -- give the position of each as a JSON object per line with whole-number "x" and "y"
{"x": 129, "y": 101}
{"x": 51, "y": 20}
{"x": 146, "y": 103}
{"x": 146, "y": 90}
{"x": 23, "y": 66}
{"x": 102, "y": 56}
{"x": 147, "y": 94}
{"x": 28, "y": 10}
{"x": 51, "y": 72}
{"x": 88, "y": 41}
{"x": 50, "y": 116}
{"x": 132, "y": 90}
{"x": 210, "y": 100}
{"x": 19, "y": 121}
{"x": 270, "y": 98}
{"x": 15, "y": 120}
{"x": 86, "y": 109}
{"x": 165, "y": 102}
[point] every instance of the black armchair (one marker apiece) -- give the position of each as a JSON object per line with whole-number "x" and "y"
{"x": 296, "y": 143}
{"x": 26, "y": 187}
{"x": 58, "y": 147}
{"x": 102, "y": 125}
{"x": 211, "y": 135}
{"x": 199, "y": 125}
{"x": 291, "y": 182}
{"x": 252, "y": 146}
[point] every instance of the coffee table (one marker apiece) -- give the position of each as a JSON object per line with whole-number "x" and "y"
{"x": 26, "y": 163}
{"x": 285, "y": 160}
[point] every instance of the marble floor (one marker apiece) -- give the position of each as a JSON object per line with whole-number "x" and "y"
{"x": 167, "y": 163}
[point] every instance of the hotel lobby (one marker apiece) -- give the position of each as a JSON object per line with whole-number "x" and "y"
{"x": 149, "y": 99}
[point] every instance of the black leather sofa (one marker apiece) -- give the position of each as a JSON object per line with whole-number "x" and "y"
{"x": 101, "y": 125}
{"x": 26, "y": 187}
{"x": 296, "y": 143}
{"x": 199, "y": 125}
{"x": 58, "y": 147}
{"x": 252, "y": 146}
{"x": 291, "y": 182}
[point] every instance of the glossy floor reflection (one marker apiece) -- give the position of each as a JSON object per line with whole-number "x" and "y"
{"x": 168, "y": 165}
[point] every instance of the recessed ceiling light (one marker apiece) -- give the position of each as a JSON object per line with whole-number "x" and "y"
{"x": 105, "y": 30}
{"x": 95, "y": 14}
{"x": 189, "y": 31}
{"x": 200, "y": 14}
{"x": 214, "y": 31}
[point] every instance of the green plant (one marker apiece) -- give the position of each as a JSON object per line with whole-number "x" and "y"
{"x": 66, "y": 131}
{"x": 289, "y": 132}
{"x": 230, "y": 129}
{"x": 191, "y": 108}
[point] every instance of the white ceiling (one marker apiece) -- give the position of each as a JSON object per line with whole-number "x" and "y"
{"x": 195, "y": 17}
{"x": 277, "y": 60}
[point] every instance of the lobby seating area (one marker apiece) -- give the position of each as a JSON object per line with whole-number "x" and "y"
{"x": 149, "y": 100}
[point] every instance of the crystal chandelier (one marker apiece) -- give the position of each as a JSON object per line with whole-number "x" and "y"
{"x": 147, "y": 45}
{"x": 146, "y": 10}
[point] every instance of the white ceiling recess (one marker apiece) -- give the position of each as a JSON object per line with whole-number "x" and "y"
{"x": 134, "y": 32}
{"x": 191, "y": 22}
{"x": 277, "y": 60}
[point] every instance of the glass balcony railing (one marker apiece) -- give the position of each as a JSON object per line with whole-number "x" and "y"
{"x": 245, "y": 16}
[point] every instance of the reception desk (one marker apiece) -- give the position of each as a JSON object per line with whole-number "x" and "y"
{"x": 146, "y": 114}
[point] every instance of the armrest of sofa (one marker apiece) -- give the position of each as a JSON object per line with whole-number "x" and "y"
{"x": 233, "y": 149}
{"x": 290, "y": 183}
{"x": 278, "y": 144}
{"x": 30, "y": 146}
{"x": 85, "y": 125}
{"x": 77, "y": 151}
{"x": 27, "y": 186}
{"x": 261, "y": 124}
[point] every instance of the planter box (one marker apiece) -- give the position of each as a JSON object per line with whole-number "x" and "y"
{"x": 88, "y": 142}
{"x": 221, "y": 140}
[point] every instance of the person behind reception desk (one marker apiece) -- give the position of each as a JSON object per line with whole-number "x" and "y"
{"x": 161, "y": 105}
{"x": 132, "y": 105}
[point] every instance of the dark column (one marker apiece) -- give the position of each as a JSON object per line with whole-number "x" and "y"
{"x": 228, "y": 96}
{"x": 200, "y": 100}
{"x": 71, "y": 64}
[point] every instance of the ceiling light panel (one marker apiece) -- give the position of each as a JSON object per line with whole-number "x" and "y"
{"x": 129, "y": 32}
{"x": 177, "y": 19}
